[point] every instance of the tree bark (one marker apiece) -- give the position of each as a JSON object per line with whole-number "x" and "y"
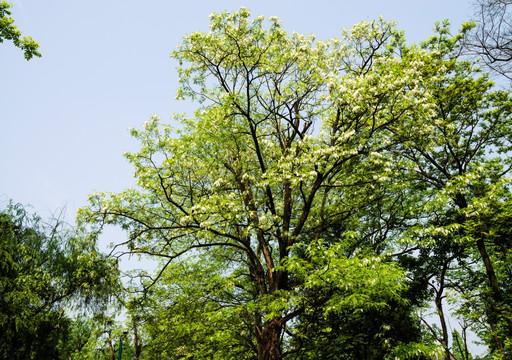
{"x": 269, "y": 342}
{"x": 138, "y": 346}
{"x": 111, "y": 350}
{"x": 440, "y": 312}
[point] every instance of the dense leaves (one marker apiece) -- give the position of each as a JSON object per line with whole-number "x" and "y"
{"x": 45, "y": 271}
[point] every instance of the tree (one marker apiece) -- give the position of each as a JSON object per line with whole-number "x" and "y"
{"x": 462, "y": 168}
{"x": 9, "y": 31}
{"x": 284, "y": 147}
{"x": 491, "y": 38}
{"x": 45, "y": 269}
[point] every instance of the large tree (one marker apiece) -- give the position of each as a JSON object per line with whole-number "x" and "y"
{"x": 284, "y": 148}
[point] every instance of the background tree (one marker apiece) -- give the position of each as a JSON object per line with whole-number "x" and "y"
{"x": 9, "y": 31}
{"x": 491, "y": 39}
{"x": 79, "y": 335}
{"x": 45, "y": 270}
{"x": 462, "y": 169}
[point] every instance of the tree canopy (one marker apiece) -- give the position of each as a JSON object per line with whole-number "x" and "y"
{"x": 319, "y": 184}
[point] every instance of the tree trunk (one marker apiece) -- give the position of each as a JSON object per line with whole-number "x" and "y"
{"x": 439, "y": 305}
{"x": 269, "y": 342}
{"x": 440, "y": 312}
{"x": 112, "y": 350}
{"x": 496, "y": 292}
{"x": 493, "y": 281}
{"x": 138, "y": 347}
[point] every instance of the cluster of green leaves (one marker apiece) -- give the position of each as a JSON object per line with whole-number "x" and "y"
{"x": 9, "y": 31}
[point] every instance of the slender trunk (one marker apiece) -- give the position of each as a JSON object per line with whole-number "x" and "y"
{"x": 269, "y": 343}
{"x": 439, "y": 305}
{"x": 493, "y": 281}
{"x": 137, "y": 345}
{"x": 112, "y": 350}
{"x": 497, "y": 296}
{"x": 444, "y": 328}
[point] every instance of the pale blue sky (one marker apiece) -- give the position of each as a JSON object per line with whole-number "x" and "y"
{"x": 106, "y": 67}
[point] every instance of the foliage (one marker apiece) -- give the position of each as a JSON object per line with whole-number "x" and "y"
{"x": 346, "y": 334}
{"x": 462, "y": 170}
{"x": 194, "y": 310}
{"x": 9, "y": 31}
{"x": 45, "y": 269}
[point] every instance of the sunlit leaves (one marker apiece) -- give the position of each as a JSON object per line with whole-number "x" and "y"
{"x": 9, "y": 31}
